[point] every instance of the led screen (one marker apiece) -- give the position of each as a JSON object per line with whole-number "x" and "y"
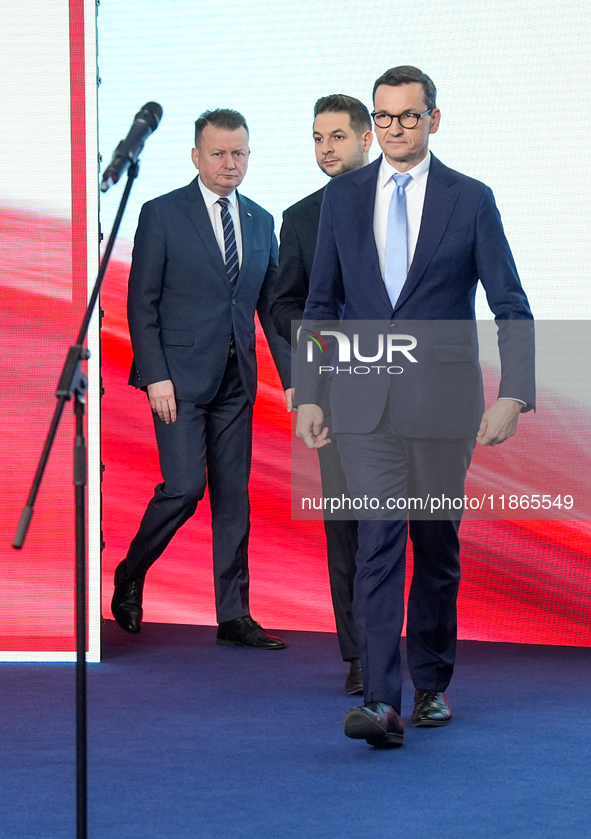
{"x": 510, "y": 79}
{"x": 49, "y": 242}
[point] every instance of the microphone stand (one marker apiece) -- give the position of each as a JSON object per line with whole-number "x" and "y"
{"x": 73, "y": 383}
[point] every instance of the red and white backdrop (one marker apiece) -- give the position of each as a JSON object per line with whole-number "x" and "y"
{"x": 525, "y": 580}
{"x": 49, "y": 247}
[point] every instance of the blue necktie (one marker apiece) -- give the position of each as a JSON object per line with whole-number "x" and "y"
{"x": 232, "y": 266}
{"x": 397, "y": 240}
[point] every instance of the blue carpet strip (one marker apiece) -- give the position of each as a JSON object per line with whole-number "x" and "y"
{"x": 189, "y": 740}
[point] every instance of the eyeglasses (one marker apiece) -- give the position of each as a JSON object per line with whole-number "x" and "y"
{"x": 407, "y": 120}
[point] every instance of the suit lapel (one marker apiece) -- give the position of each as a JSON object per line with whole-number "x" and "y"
{"x": 246, "y": 231}
{"x": 200, "y": 218}
{"x": 440, "y": 197}
{"x": 366, "y": 180}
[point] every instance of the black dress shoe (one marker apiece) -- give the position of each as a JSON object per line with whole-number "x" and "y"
{"x": 246, "y": 632}
{"x": 377, "y": 723}
{"x": 126, "y": 604}
{"x": 354, "y": 680}
{"x": 431, "y": 708}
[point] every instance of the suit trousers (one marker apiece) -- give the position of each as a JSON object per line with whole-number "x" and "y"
{"x": 341, "y": 547}
{"x": 385, "y": 465}
{"x": 207, "y": 445}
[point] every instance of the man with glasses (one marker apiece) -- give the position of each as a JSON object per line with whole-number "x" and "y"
{"x": 342, "y": 138}
{"x": 405, "y": 242}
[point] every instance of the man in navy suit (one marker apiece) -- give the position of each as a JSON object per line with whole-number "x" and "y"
{"x": 408, "y": 429}
{"x": 204, "y": 260}
{"x": 342, "y": 138}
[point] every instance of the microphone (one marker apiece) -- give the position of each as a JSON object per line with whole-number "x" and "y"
{"x": 127, "y": 152}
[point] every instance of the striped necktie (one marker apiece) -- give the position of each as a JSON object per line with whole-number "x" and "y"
{"x": 232, "y": 266}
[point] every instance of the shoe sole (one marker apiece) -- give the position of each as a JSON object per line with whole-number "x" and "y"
{"x": 353, "y": 688}
{"x": 360, "y": 726}
{"x": 426, "y": 723}
{"x": 123, "y": 627}
{"x": 355, "y": 691}
{"x": 126, "y": 629}
{"x": 222, "y": 642}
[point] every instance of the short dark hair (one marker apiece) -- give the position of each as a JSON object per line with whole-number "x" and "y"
{"x": 407, "y": 75}
{"x": 224, "y": 118}
{"x": 341, "y": 103}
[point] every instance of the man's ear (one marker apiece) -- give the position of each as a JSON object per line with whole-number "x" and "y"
{"x": 367, "y": 138}
{"x": 435, "y": 119}
{"x": 195, "y": 157}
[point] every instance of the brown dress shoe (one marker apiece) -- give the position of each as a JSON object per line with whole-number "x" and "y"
{"x": 246, "y": 632}
{"x": 431, "y": 708}
{"x": 126, "y": 604}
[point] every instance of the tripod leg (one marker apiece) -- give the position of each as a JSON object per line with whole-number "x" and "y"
{"x": 81, "y": 725}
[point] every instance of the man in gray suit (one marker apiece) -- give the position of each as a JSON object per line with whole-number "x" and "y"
{"x": 204, "y": 260}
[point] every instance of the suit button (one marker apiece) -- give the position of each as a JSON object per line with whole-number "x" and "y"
{"x": 393, "y": 327}
{"x": 233, "y": 302}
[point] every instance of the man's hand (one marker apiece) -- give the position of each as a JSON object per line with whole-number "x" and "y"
{"x": 499, "y": 422}
{"x": 309, "y": 426}
{"x": 289, "y": 398}
{"x": 162, "y": 401}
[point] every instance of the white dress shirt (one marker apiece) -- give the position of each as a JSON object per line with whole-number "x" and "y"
{"x": 214, "y": 211}
{"x": 415, "y": 198}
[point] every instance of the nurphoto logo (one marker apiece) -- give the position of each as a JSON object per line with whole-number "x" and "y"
{"x": 386, "y": 347}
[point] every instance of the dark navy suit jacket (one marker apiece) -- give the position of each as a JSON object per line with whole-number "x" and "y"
{"x": 461, "y": 241}
{"x": 181, "y": 307}
{"x": 297, "y": 245}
